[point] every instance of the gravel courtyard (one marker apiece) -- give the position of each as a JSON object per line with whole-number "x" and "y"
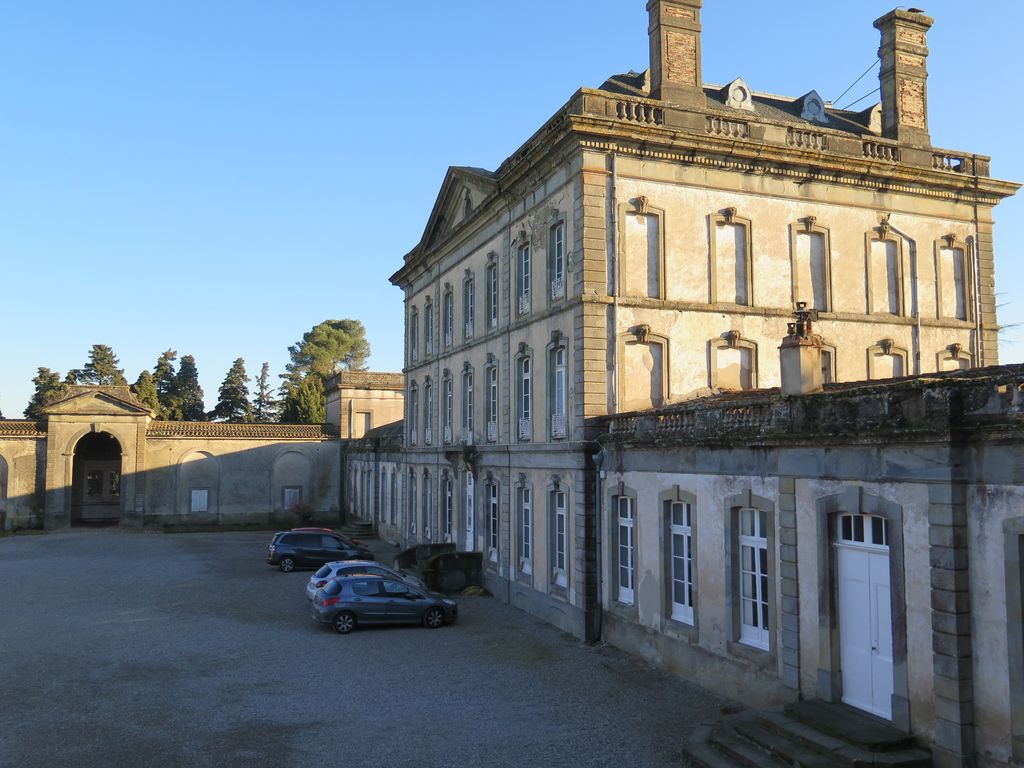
{"x": 148, "y": 649}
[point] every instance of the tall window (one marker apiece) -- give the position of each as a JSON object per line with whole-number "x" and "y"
{"x": 467, "y": 406}
{"x": 448, "y": 501}
{"x": 557, "y": 401}
{"x": 523, "y": 277}
{"x": 753, "y": 575}
{"x": 525, "y": 398}
{"x": 560, "y": 539}
{"x": 492, "y": 295}
{"x": 625, "y": 550}
{"x": 414, "y": 334}
{"x": 556, "y": 260}
{"x": 428, "y": 412}
{"x": 428, "y": 326}
{"x": 448, "y": 316}
{"x": 492, "y": 404}
{"x": 383, "y": 505}
{"x": 953, "y": 283}
{"x": 414, "y": 411}
{"x": 493, "y": 521}
{"x": 394, "y": 497}
{"x": 732, "y": 283}
{"x": 681, "y": 558}
{"x": 810, "y": 272}
{"x": 412, "y": 502}
{"x": 525, "y": 529}
{"x": 428, "y": 507}
{"x": 447, "y": 405}
{"x": 885, "y": 295}
{"x": 468, "y": 306}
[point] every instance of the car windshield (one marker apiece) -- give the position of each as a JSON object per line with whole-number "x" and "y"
{"x": 332, "y": 588}
{"x": 325, "y": 571}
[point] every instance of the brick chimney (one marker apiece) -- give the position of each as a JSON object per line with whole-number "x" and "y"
{"x": 800, "y": 355}
{"x": 904, "y": 76}
{"x": 674, "y": 33}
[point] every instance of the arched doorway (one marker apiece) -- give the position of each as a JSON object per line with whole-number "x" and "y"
{"x": 96, "y": 483}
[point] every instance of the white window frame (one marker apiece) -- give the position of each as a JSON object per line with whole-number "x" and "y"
{"x": 414, "y": 334}
{"x": 467, "y": 406}
{"x": 523, "y": 268}
{"x": 428, "y": 326}
{"x": 428, "y": 507}
{"x": 526, "y": 529}
{"x": 559, "y": 394}
{"x": 556, "y": 242}
{"x": 491, "y": 276}
{"x": 756, "y": 634}
{"x": 681, "y": 533}
{"x": 560, "y": 538}
{"x": 414, "y": 405}
{"x": 448, "y": 317}
{"x": 625, "y": 561}
{"x": 411, "y": 494}
{"x": 428, "y": 412}
{"x": 493, "y": 522}
{"x": 448, "y": 498}
{"x": 449, "y": 407}
{"x": 468, "y": 306}
{"x": 525, "y": 397}
{"x": 492, "y": 404}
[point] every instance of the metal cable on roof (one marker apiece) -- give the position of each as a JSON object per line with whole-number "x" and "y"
{"x": 873, "y": 65}
{"x": 858, "y": 101}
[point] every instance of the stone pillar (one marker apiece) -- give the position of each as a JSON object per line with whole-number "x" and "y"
{"x": 904, "y": 76}
{"x": 790, "y": 579}
{"x": 674, "y": 33}
{"x": 953, "y": 744}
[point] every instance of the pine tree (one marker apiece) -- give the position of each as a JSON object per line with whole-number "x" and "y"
{"x": 144, "y": 390}
{"x": 233, "y": 404}
{"x": 305, "y": 403}
{"x": 49, "y": 387}
{"x": 189, "y": 393}
{"x": 328, "y": 347}
{"x": 164, "y": 378}
{"x": 264, "y": 406}
{"x": 101, "y": 368}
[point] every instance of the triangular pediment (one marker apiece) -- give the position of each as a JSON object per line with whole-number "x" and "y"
{"x": 463, "y": 191}
{"x": 97, "y": 401}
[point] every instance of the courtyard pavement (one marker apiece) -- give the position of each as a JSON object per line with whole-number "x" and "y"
{"x": 147, "y": 650}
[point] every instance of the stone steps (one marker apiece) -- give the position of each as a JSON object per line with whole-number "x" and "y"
{"x": 358, "y": 529}
{"x": 810, "y": 734}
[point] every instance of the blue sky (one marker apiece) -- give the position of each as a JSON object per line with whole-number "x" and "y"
{"x": 219, "y": 177}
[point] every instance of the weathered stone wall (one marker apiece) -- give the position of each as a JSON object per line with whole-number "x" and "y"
{"x": 21, "y": 481}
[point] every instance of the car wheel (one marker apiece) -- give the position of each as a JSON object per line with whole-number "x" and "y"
{"x": 344, "y": 622}
{"x": 433, "y": 618}
{"x": 287, "y": 564}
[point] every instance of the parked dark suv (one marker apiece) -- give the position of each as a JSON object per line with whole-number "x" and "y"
{"x": 305, "y": 549}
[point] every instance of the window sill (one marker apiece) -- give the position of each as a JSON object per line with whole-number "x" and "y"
{"x": 759, "y": 658}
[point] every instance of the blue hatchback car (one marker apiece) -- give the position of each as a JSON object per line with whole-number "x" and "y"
{"x": 363, "y": 600}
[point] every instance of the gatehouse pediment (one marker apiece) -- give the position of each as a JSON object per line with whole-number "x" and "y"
{"x": 97, "y": 401}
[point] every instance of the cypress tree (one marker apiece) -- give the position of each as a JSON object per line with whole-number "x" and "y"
{"x": 49, "y": 387}
{"x": 164, "y": 378}
{"x": 233, "y": 404}
{"x": 189, "y": 393}
{"x": 305, "y": 403}
{"x": 101, "y": 368}
{"x": 144, "y": 390}
{"x": 264, "y": 405}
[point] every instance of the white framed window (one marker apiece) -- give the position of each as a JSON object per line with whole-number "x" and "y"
{"x": 493, "y": 521}
{"x": 526, "y": 529}
{"x": 869, "y": 530}
{"x": 428, "y": 507}
{"x": 681, "y": 559}
{"x": 560, "y": 539}
{"x": 557, "y": 405}
{"x": 525, "y": 400}
{"x": 412, "y": 502}
{"x": 468, "y": 306}
{"x": 753, "y": 576}
{"x": 448, "y": 406}
{"x": 491, "y": 278}
{"x": 428, "y": 412}
{"x": 625, "y": 550}
{"x": 394, "y": 497}
{"x": 556, "y": 259}
{"x": 414, "y": 334}
{"x": 492, "y": 404}
{"x": 523, "y": 277}
{"x": 428, "y": 326}
{"x": 448, "y": 316}
{"x": 448, "y": 500}
{"x": 199, "y": 500}
{"x": 383, "y": 505}
{"x": 467, "y": 406}
{"x": 414, "y": 411}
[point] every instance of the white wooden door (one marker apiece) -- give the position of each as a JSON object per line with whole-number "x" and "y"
{"x": 865, "y": 620}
